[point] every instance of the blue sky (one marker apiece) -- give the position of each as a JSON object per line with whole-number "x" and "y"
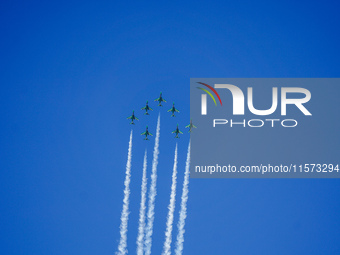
{"x": 73, "y": 71}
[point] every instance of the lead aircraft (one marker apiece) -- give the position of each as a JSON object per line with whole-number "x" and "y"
{"x": 160, "y": 100}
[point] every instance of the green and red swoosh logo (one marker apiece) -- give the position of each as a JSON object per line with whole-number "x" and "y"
{"x": 209, "y": 93}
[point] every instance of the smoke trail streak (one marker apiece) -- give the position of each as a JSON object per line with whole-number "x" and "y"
{"x": 183, "y": 210}
{"x": 122, "y": 250}
{"x": 141, "y": 227}
{"x": 170, "y": 218}
{"x": 152, "y": 193}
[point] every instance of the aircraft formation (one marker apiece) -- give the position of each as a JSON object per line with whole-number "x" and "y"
{"x": 173, "y": 110}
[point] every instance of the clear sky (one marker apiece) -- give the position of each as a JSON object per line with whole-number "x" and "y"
{"x": 71, "y": 72}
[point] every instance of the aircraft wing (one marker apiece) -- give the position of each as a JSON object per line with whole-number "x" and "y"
{"x": 170, "y": 110}
{"x": 144, "y": 133}
{"x": 163, "y": 100}
{"x": 180, "y": 131}
{"x": 143, "y": 108}
{"x": 157, "y": 99}
{"x": 136, "y": 118}
{"x": 129, "y": 117}
{"x": 173, "y": 131}
{"x": 150, "y": 134}
{"x": 187, "y": 126}
{"x": 176, "y": 110}
{"x": 194, "y": 126}
{"x": 150, "y": 109}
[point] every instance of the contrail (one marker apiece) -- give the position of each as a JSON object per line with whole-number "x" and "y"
{"x": 122, "y": 250}
{"x": 141, "y": 227}
{"x": 183, "y": 210}
{"x": 152, "y": 193}
{"x": 170, "y": 219}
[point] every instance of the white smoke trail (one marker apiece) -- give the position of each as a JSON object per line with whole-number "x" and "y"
{"x": 152, "y": 193}
{"x": 141, "y": 227}
{"x": 170, "y": 218}
{"x": 183, "y": 210}
{"x": 122, "y": 250}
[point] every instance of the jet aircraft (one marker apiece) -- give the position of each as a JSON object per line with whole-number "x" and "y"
{"x": 190, "y": 126}
{"x": 160, "y": 100}
{"x": 132, "y": 118}
{"x": 173, "y": 110}
{"x": 147, "y": 108}
{"x": 146, "y": 133}
{"x": 177, "y": 131}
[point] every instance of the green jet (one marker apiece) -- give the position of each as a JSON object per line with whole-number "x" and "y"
{"x": 160, "y": 100}
{"x": 173, "y": 110}
{"x": 177, "y": 131}
{"x": 132, "y": 118}
{"x": 146, "y": 133}
{"x": 147, "y": 108}
{"x": 190, "y": 126}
